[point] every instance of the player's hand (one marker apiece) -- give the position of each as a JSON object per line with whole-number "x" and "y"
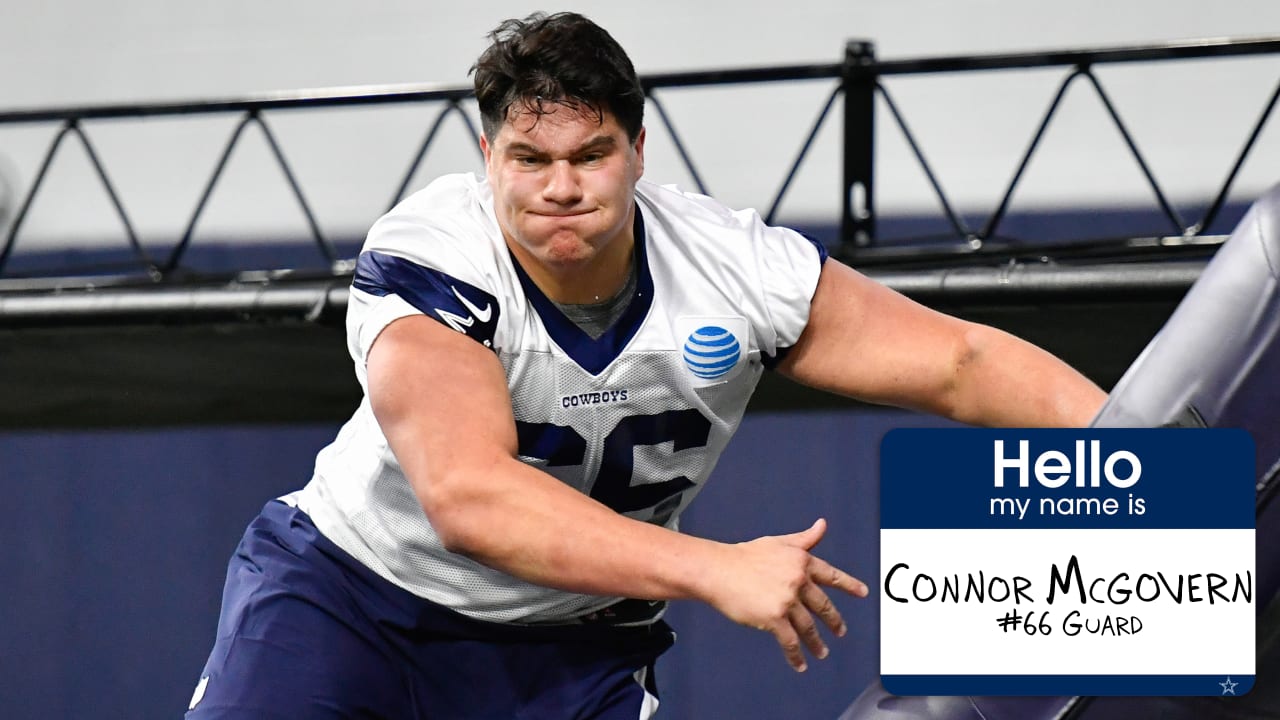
{"x": 775, "y": 584}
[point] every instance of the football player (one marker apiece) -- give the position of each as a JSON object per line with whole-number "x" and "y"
{"x": 553, "y": 357}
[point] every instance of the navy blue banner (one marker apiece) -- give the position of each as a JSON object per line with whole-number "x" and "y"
{"x": 1156, "y": 685}
{"x": 1067, "y": 478}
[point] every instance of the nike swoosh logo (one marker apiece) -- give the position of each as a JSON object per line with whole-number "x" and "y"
{"x": 481, "y": 315}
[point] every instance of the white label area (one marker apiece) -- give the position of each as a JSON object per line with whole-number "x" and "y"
{"x": 1008, "y": 602}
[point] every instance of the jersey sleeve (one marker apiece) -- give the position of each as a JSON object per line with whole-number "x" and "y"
{"x": 789, "y": 263}
{"x": 410, "y": 266}
{"x": 774, "y": 270}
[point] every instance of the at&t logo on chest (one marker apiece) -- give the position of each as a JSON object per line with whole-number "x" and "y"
{"x": 713, "y": 349}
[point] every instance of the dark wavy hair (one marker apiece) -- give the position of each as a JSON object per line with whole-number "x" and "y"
{"x": 545, "y": 61}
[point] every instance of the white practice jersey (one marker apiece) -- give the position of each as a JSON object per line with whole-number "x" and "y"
{"x": 636, "y": 418}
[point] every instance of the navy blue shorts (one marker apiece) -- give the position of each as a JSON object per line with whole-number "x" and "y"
{"x": 307, "y": 631}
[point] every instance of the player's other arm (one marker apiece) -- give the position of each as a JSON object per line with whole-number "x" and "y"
{"x": 866, "y": 341}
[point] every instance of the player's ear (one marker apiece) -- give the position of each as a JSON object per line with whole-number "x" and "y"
{"x": 640, "y": 153}
{"x": 485, "y": 148}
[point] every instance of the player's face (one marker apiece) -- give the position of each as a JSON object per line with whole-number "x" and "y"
{"x": 563, "y": 183}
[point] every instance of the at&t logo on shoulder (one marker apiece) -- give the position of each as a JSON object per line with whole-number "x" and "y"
{"x": 711, "y": 352}
{"x": 713, "y": 348}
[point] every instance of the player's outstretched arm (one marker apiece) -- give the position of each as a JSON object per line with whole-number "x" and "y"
{"x": 442, "y": 402}
{"x": 866, "y": 341}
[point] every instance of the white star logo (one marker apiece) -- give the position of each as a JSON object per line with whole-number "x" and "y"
{"x": 1228, "y": 687}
